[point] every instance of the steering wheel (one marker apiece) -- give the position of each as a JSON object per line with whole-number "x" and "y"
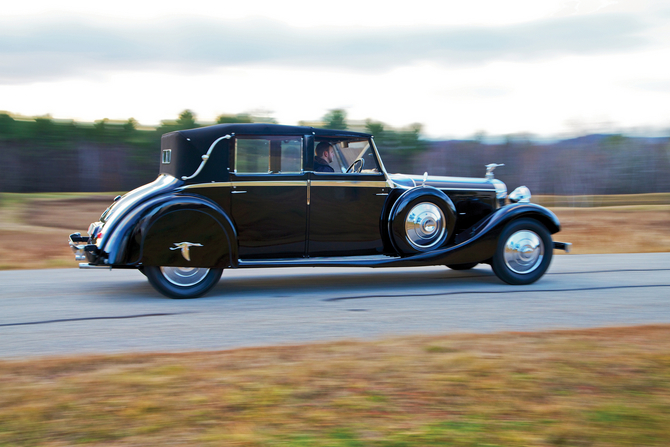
{"x": 356, "y": 166}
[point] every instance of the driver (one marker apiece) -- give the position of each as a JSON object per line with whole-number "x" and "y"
{"x": 324, "y": 156}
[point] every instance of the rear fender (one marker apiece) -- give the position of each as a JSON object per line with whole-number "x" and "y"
{"x": 174, "y": 230}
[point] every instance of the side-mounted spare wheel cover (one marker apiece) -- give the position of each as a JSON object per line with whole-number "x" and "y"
{"x": 422, "y": 219}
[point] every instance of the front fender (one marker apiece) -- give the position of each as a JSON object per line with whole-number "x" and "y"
{"x": 148, "y": 234}
{"x": 515, "y": 211}
{"x": 479, "y": 243}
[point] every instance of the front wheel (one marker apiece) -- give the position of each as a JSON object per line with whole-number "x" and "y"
{"x": 524, "y": 252}
{"x": 182, "y": 282}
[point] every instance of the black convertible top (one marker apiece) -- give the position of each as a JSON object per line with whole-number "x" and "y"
{"x": 188, "y": 146}
{"x": 211, "y": 133}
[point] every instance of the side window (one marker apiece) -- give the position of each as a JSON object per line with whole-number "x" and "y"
{"x": 268, "y": 155}
{"x": 252, "y": 156}
{"x": 354, "y": 156}
{"x": 290, "y": 161}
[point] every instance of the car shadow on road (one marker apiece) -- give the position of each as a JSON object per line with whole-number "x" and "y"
{"x": 327, "y": 283}
{"x": 351, "y": 283}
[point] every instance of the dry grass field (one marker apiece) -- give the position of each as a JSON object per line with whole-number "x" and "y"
{"x": 599, "y": 387}
{"x": 34, "y": 227}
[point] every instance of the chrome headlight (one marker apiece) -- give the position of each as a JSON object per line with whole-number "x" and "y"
{"x": 520, "y": 195}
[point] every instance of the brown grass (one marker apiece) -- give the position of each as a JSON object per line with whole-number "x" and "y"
{"x": 621, "y": 229}
{"x": 34, "y": 231}
{"x": 66, "y": 214}
{"x": 599, "y": 387}
{"x": 658, "y": 198}
{"x": 34, "y": 228}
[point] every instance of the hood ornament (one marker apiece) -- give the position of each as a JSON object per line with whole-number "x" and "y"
{"x": 184, "y": 247}
{"x": 489, "y": 169}
{"x": 425, "y": 177}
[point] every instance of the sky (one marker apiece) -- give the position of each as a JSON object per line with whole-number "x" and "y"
{"x": 548, "y": 68}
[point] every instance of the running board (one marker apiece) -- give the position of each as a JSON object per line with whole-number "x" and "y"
{"x": 340, "y": 261}
{"x": 86, "y": 265}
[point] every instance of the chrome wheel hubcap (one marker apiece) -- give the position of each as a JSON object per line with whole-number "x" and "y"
{"x": 184, "y": 276}
{"x": 425, "y": 226}
{"x": 524, "y": 251}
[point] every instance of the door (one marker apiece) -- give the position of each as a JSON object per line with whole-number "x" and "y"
{"x": 345, "y": 207}
{"x": 269, "y": 197}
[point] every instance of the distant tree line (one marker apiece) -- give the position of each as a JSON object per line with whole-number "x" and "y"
{"x": 47, "y": 155}
{"x": 587, "y": 165}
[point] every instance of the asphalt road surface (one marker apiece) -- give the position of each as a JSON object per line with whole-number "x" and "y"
{"x": 72, "y": 311}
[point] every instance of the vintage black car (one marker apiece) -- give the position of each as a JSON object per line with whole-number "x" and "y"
{"x": 254, "y": 195}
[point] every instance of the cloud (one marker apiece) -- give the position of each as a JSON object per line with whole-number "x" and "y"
{"x": 651, "y": 85}
{"x": 36, "y": 48}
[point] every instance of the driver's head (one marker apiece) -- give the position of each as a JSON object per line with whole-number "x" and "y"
{"x": 325, "y": 150}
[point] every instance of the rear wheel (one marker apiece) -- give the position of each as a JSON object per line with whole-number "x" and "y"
{"x": 182, "y": 282}
{"x": 524, "y": 252}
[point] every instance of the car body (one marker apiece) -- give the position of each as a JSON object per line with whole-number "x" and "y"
{"x": 248, "y": 195}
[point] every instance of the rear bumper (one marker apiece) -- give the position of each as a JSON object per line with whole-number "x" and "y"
{"x": 83, "y": 250}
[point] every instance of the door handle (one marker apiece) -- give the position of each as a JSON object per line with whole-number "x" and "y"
{"x": 238, "y": 192}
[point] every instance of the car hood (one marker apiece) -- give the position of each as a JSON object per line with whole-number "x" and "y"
{"x": 440, "y": 182}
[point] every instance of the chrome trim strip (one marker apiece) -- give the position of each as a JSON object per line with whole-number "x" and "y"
{"x": 350, "y": 183}
{"x": 243, "y": 184}
{"x": 268, "y": 172}
{"x": 464, "y": 189}
{"x": 370, "y": 184}
{"x": 206, "y": 157}
{"x": 209, "y": 185}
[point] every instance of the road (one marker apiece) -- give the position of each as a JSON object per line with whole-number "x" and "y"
{"x": 71, "y": 311}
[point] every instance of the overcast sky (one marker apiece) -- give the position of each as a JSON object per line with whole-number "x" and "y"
{"x": 548, "y": 67}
